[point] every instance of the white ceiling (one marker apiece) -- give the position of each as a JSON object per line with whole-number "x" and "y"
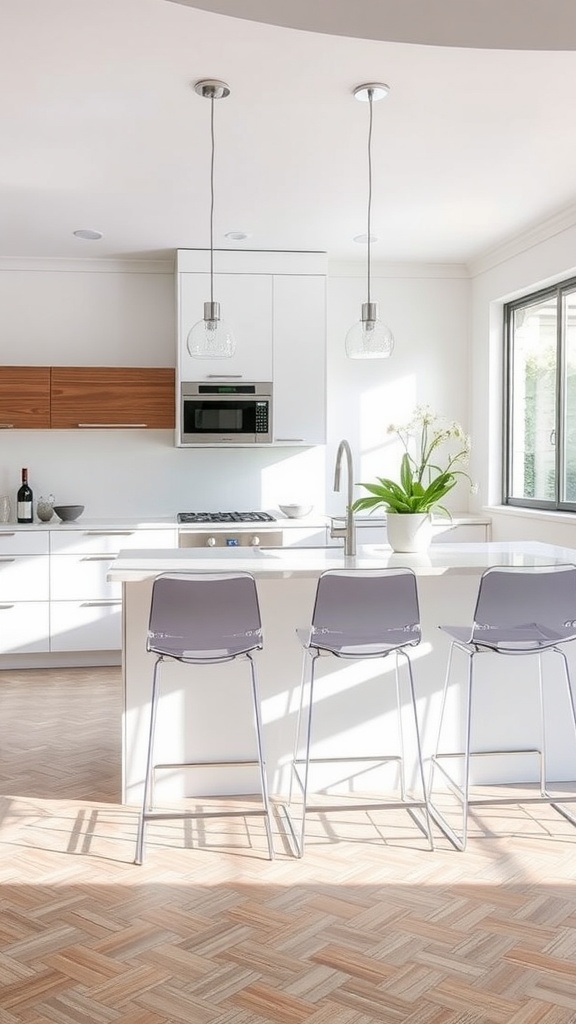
{"x": 100, "y": 127}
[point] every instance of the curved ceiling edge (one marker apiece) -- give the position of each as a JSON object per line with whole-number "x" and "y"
{"x": 493, "y": 24}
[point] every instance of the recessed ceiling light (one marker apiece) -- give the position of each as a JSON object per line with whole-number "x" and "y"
{"x": 237, "y": 236}
{"x": 88, "y": 233}
{"x": 364, "y": 238}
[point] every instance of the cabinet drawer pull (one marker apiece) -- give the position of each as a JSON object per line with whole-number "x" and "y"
{"x": 4, "y": 558}
{"x": 7, "y": 533}
{"x": 101, "y": 604}
{"x": 6, "y": 607}
{"x": 224, "y": 376}
{"x": 108, "y": 425}
{"x": 6, "y": 426}
{"x": 289, "y": 439}
{"x": 98, "y": 558}
{"x": 109, "y": 533}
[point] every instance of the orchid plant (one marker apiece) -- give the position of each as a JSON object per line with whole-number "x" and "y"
{"x": 433, "y": 452}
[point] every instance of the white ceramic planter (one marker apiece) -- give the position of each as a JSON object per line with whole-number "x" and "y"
{"x": 410, "y": 532}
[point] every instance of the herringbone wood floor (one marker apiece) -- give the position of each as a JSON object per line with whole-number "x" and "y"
{"x": 369, "y": 926}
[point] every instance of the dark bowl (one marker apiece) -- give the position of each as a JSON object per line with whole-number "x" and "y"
{"x": 68, "y": 513}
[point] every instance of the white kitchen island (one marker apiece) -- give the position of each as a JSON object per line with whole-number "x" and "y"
{"x": 204, "y": 711}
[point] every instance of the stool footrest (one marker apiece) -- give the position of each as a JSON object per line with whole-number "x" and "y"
{"x": 177, "y": 815}
{"x": 207, "y": 764}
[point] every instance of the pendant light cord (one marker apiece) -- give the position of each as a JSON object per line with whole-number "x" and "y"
{"x": 212, "y": 200}
{"x": 370, "y": 95}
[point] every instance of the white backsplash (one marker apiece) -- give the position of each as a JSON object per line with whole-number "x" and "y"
{"x": 140, "y": 472}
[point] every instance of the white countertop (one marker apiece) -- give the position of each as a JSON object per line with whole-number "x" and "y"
{"x": 316, "y": 520}
{"x": 279, "y": 563}
{"x": 84, "y": 523}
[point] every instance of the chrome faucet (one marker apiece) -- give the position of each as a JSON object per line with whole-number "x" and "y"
{"x": 348, "y": 532}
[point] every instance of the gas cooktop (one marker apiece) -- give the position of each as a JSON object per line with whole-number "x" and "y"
{"x": 225, "y": 517}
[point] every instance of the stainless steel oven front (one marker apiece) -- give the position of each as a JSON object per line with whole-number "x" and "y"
{"x": 232, "y": 538}
{"x": 225, "y": 413}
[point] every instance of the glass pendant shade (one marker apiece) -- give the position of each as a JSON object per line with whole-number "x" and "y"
{"x": 369, "y": 338}
{"x": 211, "y": 337}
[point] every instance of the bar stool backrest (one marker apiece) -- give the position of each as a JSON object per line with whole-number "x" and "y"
{"x": 204, "y": 616}
{"x": 376, "y": 607}
{"x": 533, "y": 605}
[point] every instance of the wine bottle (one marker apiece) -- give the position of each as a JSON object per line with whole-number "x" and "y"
{"x": 24, "y": 500}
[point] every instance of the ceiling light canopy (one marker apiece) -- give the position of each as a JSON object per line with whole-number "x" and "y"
{"x": 369, "y": 338}
{"x": 211, "y": 337}
{"x": 89, "y": 233}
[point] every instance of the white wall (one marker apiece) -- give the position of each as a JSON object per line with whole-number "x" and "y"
{"x": 427, "y": 309}
{"x": 539, "y": 257}
{"x": 91, "y": 313}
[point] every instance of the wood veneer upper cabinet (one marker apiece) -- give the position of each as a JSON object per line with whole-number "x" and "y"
{"x": 112, "y": 396}
{"x": 25, "y": 396}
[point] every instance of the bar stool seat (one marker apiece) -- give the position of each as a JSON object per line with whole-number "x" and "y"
{"x": 203, "y": 619}
{"x": 520, "y": 612}
{"x": 358, "y": 614}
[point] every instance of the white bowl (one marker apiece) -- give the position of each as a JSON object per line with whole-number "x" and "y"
{"x": 296, "y": 511}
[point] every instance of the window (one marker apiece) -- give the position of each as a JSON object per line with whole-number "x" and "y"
{"x": 540, "y": 454}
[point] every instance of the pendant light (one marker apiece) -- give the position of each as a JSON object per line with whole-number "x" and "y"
{"x": 211, "y": 337}
{"x": 369, "y": 338}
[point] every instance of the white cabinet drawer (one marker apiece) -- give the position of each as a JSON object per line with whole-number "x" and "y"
{"x": 86, "y": 625}
{"x": 81, "y": 577}
{"x": 23, "y": 578}
{"x": 462, "y": 534}
{"x": 302, "y": 537}
{"x": 23, "y": 542}
{"x": 24, "y": 627}
{"x": 112, "y": 541}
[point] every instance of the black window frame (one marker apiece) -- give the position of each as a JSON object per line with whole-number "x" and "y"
{"x": 556, "y": 291}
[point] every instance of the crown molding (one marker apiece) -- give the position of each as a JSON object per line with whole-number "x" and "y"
{"x": 357, "y": 268}
{"x": 534, "y": 235}
{"x": 83, "y": 266}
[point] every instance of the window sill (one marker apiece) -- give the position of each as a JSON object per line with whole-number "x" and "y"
{"x": 543, "y": 515}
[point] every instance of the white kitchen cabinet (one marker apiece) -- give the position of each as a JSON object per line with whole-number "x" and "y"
{"x": 463, "y": 529}
{"x": 88, "y": 625}
{"x": 304, "y": 537}
{"x": 300, "y": 359}
{"x": 24, "y": 592}
{"x": 85, "y": 609}
{"x": 246, "y": 305}
{"x": 101, "y": 541}
{"x": 462, "y": 533}
{"x": 81, "y": 576}
{"x": 23, "y": 542}
{"x": 24, "y": 627}
{"x": 276, "y": 304}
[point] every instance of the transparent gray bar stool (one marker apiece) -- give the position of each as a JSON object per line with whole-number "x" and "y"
{"x": 204, "y": 619}
{"x": 358, "y": 614}
{"x": 520, "y": 612}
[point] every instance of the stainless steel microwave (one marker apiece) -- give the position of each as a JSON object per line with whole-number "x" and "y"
{"x": 218, "y": 412}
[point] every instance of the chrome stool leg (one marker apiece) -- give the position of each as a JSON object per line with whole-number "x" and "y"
{"x": 261, "y": 762}
{"x": 306, "y": 684}
{"x": 148, "y": 779}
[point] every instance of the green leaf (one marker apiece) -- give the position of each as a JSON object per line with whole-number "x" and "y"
{"x": 406, "y": 474}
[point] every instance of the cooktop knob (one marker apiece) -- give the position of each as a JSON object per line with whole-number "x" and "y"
{"x": 211, "y": 542}
{"x": 255, "y": 541}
